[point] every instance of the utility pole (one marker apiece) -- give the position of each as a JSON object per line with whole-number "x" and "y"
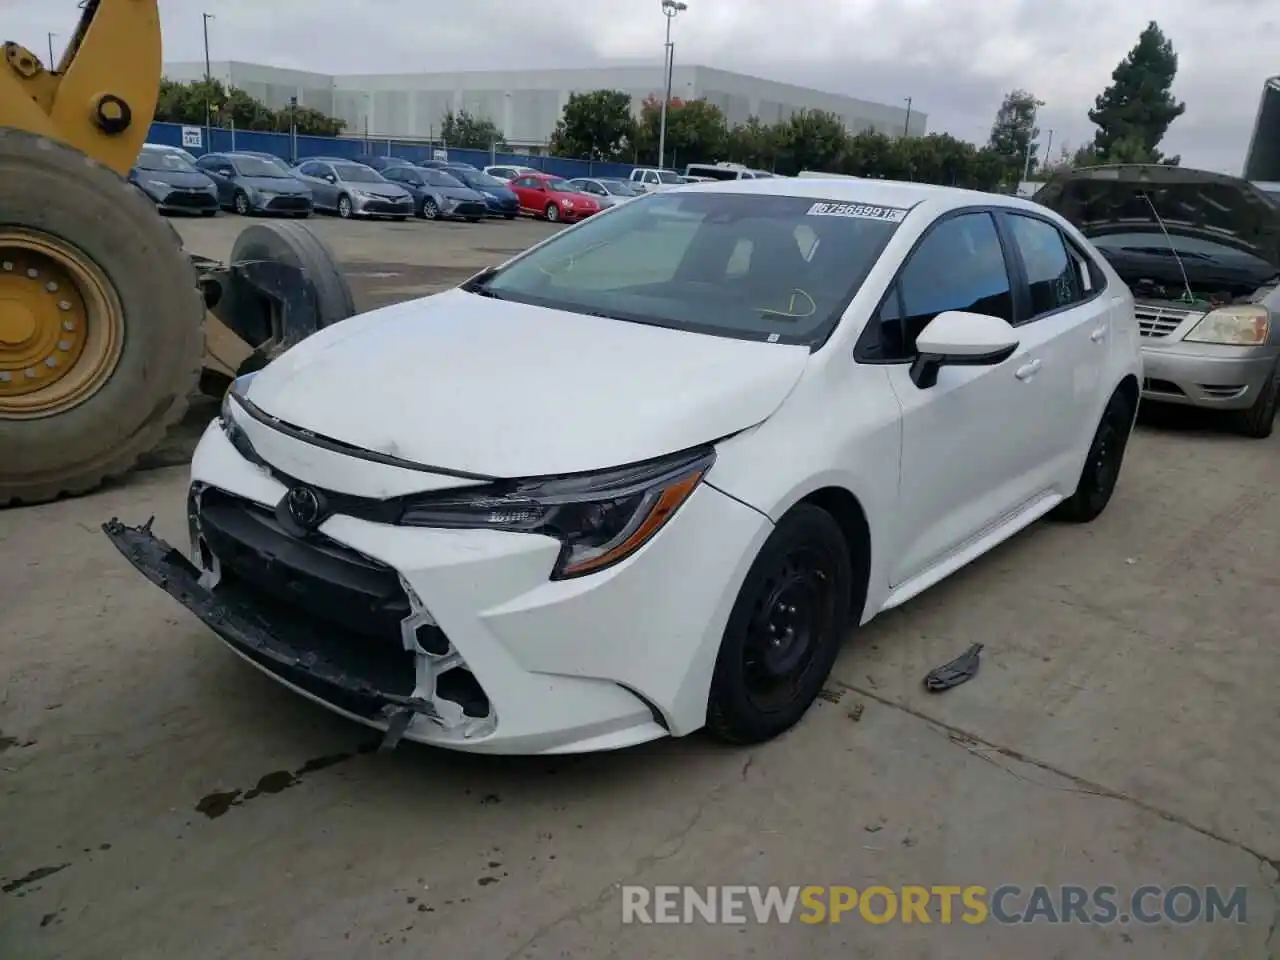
{"x": 51, "y": 65}
{"x": 293, "y": 129}
{"x": 906, "y": 127}
{"x": 208, "y": 85}
{"x": 669, "y": 10}
{"x": 1048, "y": 145}
{"x": 1026, "y": 166}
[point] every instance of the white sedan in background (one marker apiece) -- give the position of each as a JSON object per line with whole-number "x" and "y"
{"x": 648, "y": 475}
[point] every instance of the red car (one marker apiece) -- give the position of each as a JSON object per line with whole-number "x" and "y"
{"x": 550, "y": 197}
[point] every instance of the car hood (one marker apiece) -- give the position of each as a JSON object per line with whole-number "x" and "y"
{"x": 285, "y": 185}
{"x": 468, "y": 383}
{"x": 1113, "y": 199}
{"x": 457, "y": 193}
{"x": 174, "y": 178}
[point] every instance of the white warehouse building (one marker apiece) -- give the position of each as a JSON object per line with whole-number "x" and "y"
{"x": 525, "y": 105}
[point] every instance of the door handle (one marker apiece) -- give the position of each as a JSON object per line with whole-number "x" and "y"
{"x": 1098, "y": 335}
{"x": 1028, "y": 371}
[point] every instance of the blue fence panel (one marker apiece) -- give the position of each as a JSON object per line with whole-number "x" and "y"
{"x": 170, "y": 134}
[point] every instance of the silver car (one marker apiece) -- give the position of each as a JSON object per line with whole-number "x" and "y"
{"x": 1200, "y": 251}
{"x": 353, "y": 190}
{"x": 607, "y": 191}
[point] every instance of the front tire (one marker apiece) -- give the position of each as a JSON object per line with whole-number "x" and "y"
{"x": 1102, "y": 466}
{"x": 1258, "y": 421}
{"x": 344, "y": 207}
{"x": 785, "y": 629}
{"x": 429, "y": 210}
{"x": 241, "y": 203}
{"x": 552, "y": 213}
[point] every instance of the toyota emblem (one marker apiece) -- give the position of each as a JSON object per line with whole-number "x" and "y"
{"x": 304, "y": 507}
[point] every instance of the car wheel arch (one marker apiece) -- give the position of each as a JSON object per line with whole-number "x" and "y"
{"x": 847, "y": 511}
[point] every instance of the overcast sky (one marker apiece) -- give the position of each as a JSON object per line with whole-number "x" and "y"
{"x": 954, "y": 58}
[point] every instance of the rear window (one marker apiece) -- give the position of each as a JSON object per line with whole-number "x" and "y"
{"x": 770, "y": 268}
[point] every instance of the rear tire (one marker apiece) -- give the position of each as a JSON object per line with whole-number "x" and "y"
{"x": 208, "y": 213}
{"x": 1258, "y": 422}
{"x": 57, "y": 191}
{"x": 785, "y": 630}
{"x": 1102, "y": 466}
{"x": 508, "y": 216}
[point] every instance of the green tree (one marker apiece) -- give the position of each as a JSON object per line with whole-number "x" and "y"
{"x": 186, "y": 102}
{"x": 696, "y": 131}
{"x": 1014, "y": 132}
{"x": 1135, "y": 112}
{"x": 753, "y": 144}
{"x": 596, "y": 125}
{"x": 809, "y": 140}
{"x": 869, "y": 154}
{"x": 468, "y": 132}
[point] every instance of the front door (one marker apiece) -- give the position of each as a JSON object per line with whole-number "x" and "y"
{"x": 973, "y": 445}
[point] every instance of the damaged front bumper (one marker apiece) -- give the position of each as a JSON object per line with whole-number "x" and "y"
{"x": 294, "y": 659}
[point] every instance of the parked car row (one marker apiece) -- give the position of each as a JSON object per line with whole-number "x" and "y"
{"x": 252, "y": 183}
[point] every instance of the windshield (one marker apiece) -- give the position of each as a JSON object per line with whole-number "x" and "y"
{"x": 478, "y": 179}
{"x": 162, "y": 160}
{"x": 772, "y": 268}
{"x": 713, "y": 173}
{"x": 561, "y": 186}
{"x": 255, "y": 167}
{"x": 438, "y": 178}
{"x": 357, "y": 173}
{"x": 669, "y": 176}
{"x": 277, "y": 163}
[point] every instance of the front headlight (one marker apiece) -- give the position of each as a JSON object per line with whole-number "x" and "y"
{"x": 1240, "y": 325}
{"x": 600, "y": 518}
{"x": 159, "y": 185}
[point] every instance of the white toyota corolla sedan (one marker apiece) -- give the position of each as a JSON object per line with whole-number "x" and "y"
{"x": 646, "y": 476}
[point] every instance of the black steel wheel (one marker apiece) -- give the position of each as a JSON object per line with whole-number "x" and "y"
{"x": 1258, "y": 421}
{"x": 785, "y": 630}
{"x": 1102, "y": 466}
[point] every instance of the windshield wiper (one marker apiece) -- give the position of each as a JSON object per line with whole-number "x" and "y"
{"x": 1167, "y": 252}
{"x": 479, "y": 284}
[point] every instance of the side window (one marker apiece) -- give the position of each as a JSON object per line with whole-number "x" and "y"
{"x": 523, "y": 182}
{"x": 650, "y": 177}
{"x": 958, "y": 266}
{"x": 1054, "y": 279}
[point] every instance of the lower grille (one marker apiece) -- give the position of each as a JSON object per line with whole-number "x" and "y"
{"x": 1154, "y": 385}
{"x": 317, "y": 577}
{"x": 387, "y": 206}
{"x": 1159, "y": 322}
{"x": 191, "y": 201}
{"x": 469, "y": 208}
{"x": 289, "y": 204}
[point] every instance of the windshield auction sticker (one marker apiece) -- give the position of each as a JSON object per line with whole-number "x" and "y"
{"x": 859, "y": 211}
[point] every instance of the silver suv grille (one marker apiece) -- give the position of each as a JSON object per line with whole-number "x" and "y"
{"x": 1157, "y": 322}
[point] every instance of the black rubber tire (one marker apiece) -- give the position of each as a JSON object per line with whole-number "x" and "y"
{"x": 731, "y": 715}
{"x": 208, "y": 213}
{"x": 508, "y": 216}
{"x": 294, "y": 243}
{"x": 54, "y": 188}
{"x": 1258, "y": 422}
{"x": 240, "y": 204}
{"x": 429, "y": 209}
{"x": 474, "y": 219}
{"x": 399, "y": 219}
{"x": 552, "y": 213}
{"x": 347, "y": 215}
{"x": 1094, "y": 490}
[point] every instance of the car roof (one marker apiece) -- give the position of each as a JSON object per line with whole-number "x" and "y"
{"x": 889, "y": 193}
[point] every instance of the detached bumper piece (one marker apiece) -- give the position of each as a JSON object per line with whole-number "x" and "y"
{"x": 323, "y": 654}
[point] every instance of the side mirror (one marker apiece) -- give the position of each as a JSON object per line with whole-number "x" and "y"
{"x": 956, "y": 338}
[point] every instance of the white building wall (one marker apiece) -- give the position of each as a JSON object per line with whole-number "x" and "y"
{"x": 526, "y": 104}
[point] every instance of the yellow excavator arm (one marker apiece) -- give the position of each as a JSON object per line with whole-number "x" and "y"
{"x": 102, "y": 97}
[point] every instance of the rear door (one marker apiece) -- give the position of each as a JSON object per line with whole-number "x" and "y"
{"x": 1065, "y": 314}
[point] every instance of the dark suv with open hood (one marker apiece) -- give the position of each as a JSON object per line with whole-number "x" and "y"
{"x": 1201, "y": 253}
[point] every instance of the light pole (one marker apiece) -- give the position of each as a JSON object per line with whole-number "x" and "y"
{"x": 208, "y": 85}
{"x": 669, "y": 10}
{"x": 51, "y": 66}
{"x": 1048, "y": 145}
{"x": 906, "y": 127}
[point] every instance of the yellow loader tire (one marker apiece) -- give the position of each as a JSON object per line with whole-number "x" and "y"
{"x": 82, "y": 251}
